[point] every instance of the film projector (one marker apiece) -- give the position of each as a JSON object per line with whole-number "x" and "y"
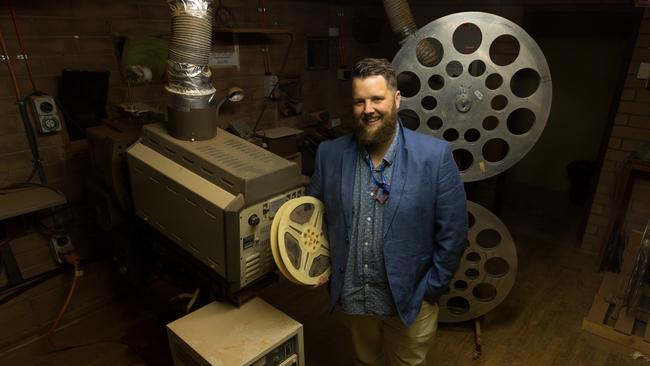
{"x": 488, "y": 93}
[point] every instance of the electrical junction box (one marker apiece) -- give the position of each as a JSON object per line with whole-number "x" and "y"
{"x": 61, "y": 245}
{"x": 46, "y": 115}
{"x": 255, "y": 334}
{"x": 270, "y": 81}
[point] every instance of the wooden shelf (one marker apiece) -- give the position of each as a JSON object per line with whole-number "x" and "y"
{"x": 258, "y": 30}
{"x": 23, "y": 201}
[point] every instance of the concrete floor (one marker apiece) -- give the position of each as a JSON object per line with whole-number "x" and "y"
{"x": 537, "y": 324}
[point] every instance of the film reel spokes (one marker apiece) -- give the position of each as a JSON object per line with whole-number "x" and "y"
{"x": 487, "y": 271}
{"x": 299, "y": 241}
{"x": 488, "y": 93}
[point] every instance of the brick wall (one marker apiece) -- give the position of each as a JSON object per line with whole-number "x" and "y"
{"x": 57, "y": 35}
{"x": 79, "y": 34}
{"x": 76, "y": 34}
{"x": 631, "y": 130}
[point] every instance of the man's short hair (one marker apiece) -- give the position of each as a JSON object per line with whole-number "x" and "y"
{"x": 373, "y": 67}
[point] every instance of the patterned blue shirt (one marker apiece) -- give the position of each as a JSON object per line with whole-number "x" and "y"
{"x": 365, "y": 284}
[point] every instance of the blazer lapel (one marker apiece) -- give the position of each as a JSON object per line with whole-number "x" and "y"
{"x": 348, "y": 162}
{"x": 397, "y": 184}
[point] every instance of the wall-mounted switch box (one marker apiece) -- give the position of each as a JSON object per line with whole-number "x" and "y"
{"x": 46, "y": 115}
{"x": 270, "y": 82}
{"x": 61, "y": 245}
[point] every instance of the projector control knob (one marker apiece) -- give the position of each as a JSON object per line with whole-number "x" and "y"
{"x": 253, "y": 220}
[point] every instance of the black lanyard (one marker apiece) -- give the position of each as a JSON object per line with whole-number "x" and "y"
{"x": 382, "y": 188}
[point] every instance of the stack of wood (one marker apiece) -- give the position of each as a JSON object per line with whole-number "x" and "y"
{"x": 612, "y": 316}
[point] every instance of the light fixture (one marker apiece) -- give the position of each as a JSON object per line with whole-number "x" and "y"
{"x": 235, "y": 94}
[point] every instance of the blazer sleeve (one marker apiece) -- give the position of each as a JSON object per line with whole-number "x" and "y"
{"x": 450, "y": 225}
{"x": 315, "y": 188}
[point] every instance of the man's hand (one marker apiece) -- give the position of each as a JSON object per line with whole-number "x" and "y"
{"x": 321, "y": 282}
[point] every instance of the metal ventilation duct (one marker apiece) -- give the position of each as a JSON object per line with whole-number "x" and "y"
{"x": 190, "y": 106}
{"x": 403, "y": 25}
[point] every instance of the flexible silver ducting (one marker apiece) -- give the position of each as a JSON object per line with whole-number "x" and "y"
{"x": 403, "y": 25}
{"x": 191, "y": 108}
{"x": 400, "y": 18}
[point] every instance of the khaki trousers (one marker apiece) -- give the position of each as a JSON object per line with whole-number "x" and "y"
{"x": 387, "y": 341}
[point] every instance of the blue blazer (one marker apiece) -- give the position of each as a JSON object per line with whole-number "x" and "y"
{"x": 425, "y": 225}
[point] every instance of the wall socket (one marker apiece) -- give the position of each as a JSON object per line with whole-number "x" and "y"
{"x": 61, "y": 245}
{"x": 46, "y": 114}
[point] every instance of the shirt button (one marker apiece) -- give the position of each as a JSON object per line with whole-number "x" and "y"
{"x": 369, "y": 219}
{"x": 365, "y": 243}
{"x": 365, "y": 265}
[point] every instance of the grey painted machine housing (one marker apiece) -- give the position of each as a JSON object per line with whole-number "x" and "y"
{"x": 201, "y": 195}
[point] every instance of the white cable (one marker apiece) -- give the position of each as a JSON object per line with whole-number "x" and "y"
{"x": 192, "y": 300}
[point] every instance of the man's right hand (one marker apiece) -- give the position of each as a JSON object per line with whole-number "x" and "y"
{"x": 321, "y": 282}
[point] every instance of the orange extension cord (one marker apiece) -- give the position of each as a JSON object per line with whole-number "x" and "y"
{"x": 72, "y": 259}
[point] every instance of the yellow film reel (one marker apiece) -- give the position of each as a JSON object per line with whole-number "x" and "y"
{"x": 299, "y": 241}
{"x": 274, "y": 245}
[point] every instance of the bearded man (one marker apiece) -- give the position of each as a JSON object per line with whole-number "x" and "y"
{"x": 396, "y": 216}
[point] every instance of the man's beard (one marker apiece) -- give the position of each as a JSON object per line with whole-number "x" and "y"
{"x": 381, "y": 135}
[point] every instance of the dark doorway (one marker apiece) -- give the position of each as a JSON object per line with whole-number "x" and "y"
{"x": 588, "y": 53}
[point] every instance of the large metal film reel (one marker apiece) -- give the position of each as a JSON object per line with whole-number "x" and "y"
{"x": 487, "y": 270}
{"x": 488, "y": 94}
{"x": 299, "y": 241}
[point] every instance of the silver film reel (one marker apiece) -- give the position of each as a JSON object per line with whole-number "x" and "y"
{"x": 487, "y": 270}
{"x": 488, "y": 93}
